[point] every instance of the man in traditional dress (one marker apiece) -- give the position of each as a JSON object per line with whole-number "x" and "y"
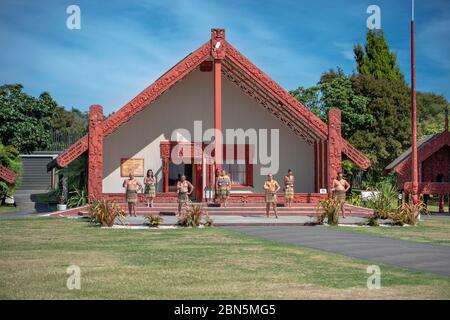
{"x": 272, "y": 187}
{"x": 289, "y": 188}
{"x": 150, "y": 187}
{"x": 184, "y": 190}
{"x": 339, "y": 189}
{"x": 223, "y": 187}
{"x": 132, "y": 187}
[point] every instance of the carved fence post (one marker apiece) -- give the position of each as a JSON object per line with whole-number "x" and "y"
{"x": 95, "y": 140}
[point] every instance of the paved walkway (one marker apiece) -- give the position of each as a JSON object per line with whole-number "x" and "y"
{"x": 248, "y": 220}
{"x": 406, "y": 254}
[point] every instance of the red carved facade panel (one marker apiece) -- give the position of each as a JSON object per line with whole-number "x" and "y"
{"x": 334, "y": 144}
{"x": 95, "y": 160}
{"x": 74, "y": 151}
{"x": 435, "y": 188}
{"x": 436, "y": 167}
{"x": 427, "y": 162}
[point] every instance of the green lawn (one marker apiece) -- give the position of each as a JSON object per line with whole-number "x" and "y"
{"x": 185, "y": 264}
{"x": 7, "y": 209}
{"x": 435, "y": 231}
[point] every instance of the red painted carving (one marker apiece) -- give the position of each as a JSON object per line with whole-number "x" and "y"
{"x": 218, "y": 44}
{"x": 95, "y": 136}
{"x": 8, "y": 175}
{"x": 334, "y": 144}
{"x": 436, "y": 167}
{"x": 316, "y": 167}
{"x": 320, "y": 167}
{"x": 426, "y": 151}
{"x": 435, "y": 188}
{"x": 357, "y": 157}
{"x": 284, "y": 106}
{"x": 73, "y": 152}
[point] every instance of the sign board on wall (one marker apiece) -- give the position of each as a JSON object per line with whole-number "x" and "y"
{"x": 132, "y": 165}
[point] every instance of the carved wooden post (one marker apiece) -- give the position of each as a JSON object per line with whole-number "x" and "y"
{"x": 321, "y": 156}
{"x": 441, "y": 203}
{"x": 164, "y": 150}
{"x": 218, "y": 54}
{"x": 316, "y": 167}
{"x": 95, "y": 140}
{"x": 334, "y": 145}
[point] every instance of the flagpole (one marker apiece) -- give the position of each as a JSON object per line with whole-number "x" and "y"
{"x": 414, "y": 165}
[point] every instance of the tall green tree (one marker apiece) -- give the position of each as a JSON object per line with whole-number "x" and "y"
{"x": 25, "y": 121}
{"x": 376, "y": 59}
{"x": 375, "y": 103}
{"x": 334, "y": 90}
{"x": 431, "y": 113}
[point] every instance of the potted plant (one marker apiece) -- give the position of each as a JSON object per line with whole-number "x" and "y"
{"x": 61, "y": 204}
{"x": 62, "y": 198}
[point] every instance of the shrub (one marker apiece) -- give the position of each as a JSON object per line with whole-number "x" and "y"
{"x": 384, "y": 201}
{"x": 3, "y": 190}
{"x": 77, "y": 198}
{"x": 408, "y": 213}
{"x": 356, "y": 200}
{"x": 192, "y": 217}
{"x": 328, "y": 208}
{"x": 373, "y": 220}
{"x": 105, "y": 212}
{"x": 154, "y": 220}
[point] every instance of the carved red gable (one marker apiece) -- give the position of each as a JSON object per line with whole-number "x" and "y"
{"x": 254, "y": 82}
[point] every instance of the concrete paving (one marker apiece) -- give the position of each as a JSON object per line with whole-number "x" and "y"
{"x": 406, "y": 254}
{"x": 248, "y": 220}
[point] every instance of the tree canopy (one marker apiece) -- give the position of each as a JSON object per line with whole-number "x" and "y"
{"x": 26, "y": 122}
{"x": 375, "y": 103}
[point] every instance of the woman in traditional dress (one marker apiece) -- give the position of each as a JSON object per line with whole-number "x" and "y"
{"x": 272, "y": 187}
{"x": 184, "y": 190}
{"x": 289, "y": 188}
{"x": 223, "y": 187}
{"x": 132, "y": 187}
{"x": 150, "y": 187}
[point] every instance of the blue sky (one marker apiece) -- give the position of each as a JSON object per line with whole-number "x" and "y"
{"x": 123, "y": 46}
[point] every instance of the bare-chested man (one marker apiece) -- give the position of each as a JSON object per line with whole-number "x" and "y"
{"x": 271, "y": 187}
{"x": 340, "y": 188}
{"x": 132, "y": 187}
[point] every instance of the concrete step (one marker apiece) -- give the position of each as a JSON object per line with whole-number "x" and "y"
{"x": 27, "y": 201}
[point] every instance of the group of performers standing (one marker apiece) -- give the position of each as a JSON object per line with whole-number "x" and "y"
{"x": 223, "y": 190}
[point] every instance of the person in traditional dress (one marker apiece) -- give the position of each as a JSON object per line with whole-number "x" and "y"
{"x": 184, "y": 190}
{"x": 339, "y": 189}
{"x": 217, "y": 174}
{"x": 289, "y": 187}
{"x": 132, "y": 187}
{"x": 150, "y": 187}
{"x": 271, "y": 187}
{"x": 223, "y": 187}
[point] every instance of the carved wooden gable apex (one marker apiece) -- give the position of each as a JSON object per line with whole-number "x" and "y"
{"x": 218, "y": 43}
